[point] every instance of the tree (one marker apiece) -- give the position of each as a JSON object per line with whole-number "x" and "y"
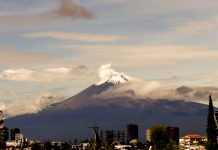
{"x": 211, "y": 127}
{"x": 5, "y": 133}
{"x": 13, "y": 132}
{"x": 36, "y": 146}
{"x": 66, "y": 146}
{"x": 48, "y": 146}
{"x": 159, "y": 137}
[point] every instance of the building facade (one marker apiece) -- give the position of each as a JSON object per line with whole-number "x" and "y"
{"x": 132, "y": 133}
{"x": 173, "y": 134}
{"x": 192, "y": 142}
{"x": 111, "y": 136}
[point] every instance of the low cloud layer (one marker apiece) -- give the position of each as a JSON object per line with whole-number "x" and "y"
{"x": 48, "y": 74}
{"x": 31, "y": 104}
{"x": 87, "y": 37}
{"x": 158, "y": 89}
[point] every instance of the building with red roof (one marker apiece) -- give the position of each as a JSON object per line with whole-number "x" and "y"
{"x": 192, "y": 142}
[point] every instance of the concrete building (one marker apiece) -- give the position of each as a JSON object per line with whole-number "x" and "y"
{"x": 19, "y": 141}
{"x": 111, "y": 136}
{"x": 19, "y": 136}
{"x": 173, "y": 133}
{"x": 122, "y": 147}
{"x": 84, "y": 145}
{"x": 192, "y": 142}
{"x": 132, "y": 133}
{"x": 148, "y": 135}
{"x": 11, "y": 143}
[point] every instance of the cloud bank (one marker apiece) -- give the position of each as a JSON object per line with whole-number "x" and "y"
{"x": 31, "y": 104}
{"x": 155, "y": 89}
{"x": 45, "y": 75}
{"x": 87, "y": 37}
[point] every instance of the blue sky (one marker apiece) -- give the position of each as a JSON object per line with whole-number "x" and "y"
{"x": 55, "y": 47}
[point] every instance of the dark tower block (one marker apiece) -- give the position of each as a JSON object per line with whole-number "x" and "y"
{"x": 132, "y": 133}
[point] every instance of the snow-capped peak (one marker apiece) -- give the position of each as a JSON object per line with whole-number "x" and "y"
{"x": 109, "y": 75}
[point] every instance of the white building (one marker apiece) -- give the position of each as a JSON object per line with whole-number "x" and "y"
{"x": 192, "y": 142}
{"x": 148, "y": 135}
{"x": 85, "y": 145}
{"x": 122, "y": 147}
{"x": 19, "y": 139}
{"x": 11, "y": 143}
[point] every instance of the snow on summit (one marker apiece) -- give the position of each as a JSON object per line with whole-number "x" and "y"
{"x": 107, "y": 74}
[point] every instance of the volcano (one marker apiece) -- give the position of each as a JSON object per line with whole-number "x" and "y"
{"x": 70, "y": 118}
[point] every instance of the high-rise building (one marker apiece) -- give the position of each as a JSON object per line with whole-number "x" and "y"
{"x": 113, "y": 136}
{"x": 132, "y": 133}
{"x": 148, "y": 135}
{"x": 173, "y": 133}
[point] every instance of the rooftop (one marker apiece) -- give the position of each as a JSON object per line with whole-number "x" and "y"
{"x": 192, "y": 136}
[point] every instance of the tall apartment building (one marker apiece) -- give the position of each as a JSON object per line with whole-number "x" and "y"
{"x": 173, "y": 134}
{"x": 132, "y": 133}
{"x": 111, "y": 136}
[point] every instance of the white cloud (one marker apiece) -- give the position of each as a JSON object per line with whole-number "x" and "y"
{"x": 154, "y": 90}
{"x": 48, "y": 74}
{"x": 105, "y": 73}
{"x": 16, "y": 74}
{"x": 158, "y": 89}
{"x": 31, "y": 104}
{"x": 2, "y": 107}
{"x": 74, "y": 36}
{"x": 61, "y": 70}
